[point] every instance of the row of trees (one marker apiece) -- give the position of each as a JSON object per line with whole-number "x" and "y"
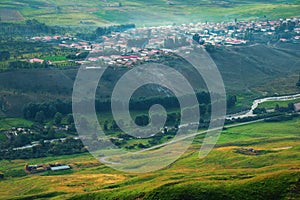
{"x": 41, "y": 111}
{"x": 27, "y": 65}
{"x": 277, "y": 108}
{"x": 40, "y": 117}
{"x": 29, "y": 28}
{"x": 100, "y": 31}
{"x": 290, "y": 26}
{"x": 47, "y": 109}
{"x": 67, "y": 147}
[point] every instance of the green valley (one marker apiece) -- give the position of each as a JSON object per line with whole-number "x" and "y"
{"x": 142, "y": 100}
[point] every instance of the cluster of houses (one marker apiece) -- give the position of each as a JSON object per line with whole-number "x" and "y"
{"x": 18, "y": 131}
{"x": 40, "y": 61}
{"x": 50, "y": 38}
{"x": 143, "y": 44}
{"x": 32, "y": 169}
{"x": 127, "y": 59}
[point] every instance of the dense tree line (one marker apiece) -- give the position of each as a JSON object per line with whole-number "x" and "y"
{"x": 285, "y": 26}
{"x": 67, "y": 147}
{"x": 259, "y": 111}
{"x": 46, "y": 109}
{"x": 26, "y": 65}
{"x": 282, "y": 118}
{"x": 289, "y": 108}
{"x": 29, "y": 28}
{"x": 100, "y": 31}
{"x": 41, "y": 111}
{"x": 87, "y": 36}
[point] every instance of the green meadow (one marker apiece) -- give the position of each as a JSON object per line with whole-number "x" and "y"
{"x": 224, "y": 173}
{"x": 7, "y": 123}
{"x": 272, "y": 104}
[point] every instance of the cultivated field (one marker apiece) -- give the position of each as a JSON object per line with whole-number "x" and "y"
{"x": 10, "y": 15}
{"x": 158, "y": 12}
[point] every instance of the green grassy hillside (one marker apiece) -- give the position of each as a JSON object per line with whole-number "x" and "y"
{"x": 225, "y": 173}
{"x": 142, "y": 12}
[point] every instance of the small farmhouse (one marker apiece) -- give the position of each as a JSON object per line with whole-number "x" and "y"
{"x": 297, "y": 107}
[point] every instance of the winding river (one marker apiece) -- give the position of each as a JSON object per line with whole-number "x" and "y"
{"x": 234, "y": 116}
{"x": 259, "y": 101}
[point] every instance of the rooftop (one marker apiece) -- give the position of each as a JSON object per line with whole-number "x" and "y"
{"x": 60, "y": 168}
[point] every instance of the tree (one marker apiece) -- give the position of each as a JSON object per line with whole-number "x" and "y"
{"x": 259, "y": 111}
{"x": 298, "y": 83}
{"x": 51, "y": 133}
{"x": 72, "y": 128}
{"x": 210, "y": 48}
{"x": 101, "y": 31}
{"x": 58, "y": 118}
{"x": 114, "y": 125}
{"x": 4, "y": 55}
{"x": 51, "y": 111}
{"x": 277, "y": 108}
{"x": 142, "y": 120}
{"x": 196, "y": 38}
{"x": 21, "y": 140}
{"x": 231, "y": 100}
{"x": 248, "y": 35}
{"x": 291, "y": 26}
{"x": 202, "y": 109}
{"x": 40, "y": 117}
{"x": 291, "y": 107}
{"x": 58, "y": 9}
{"x": 105, "y": 126}
{"x": 70, "y": 119}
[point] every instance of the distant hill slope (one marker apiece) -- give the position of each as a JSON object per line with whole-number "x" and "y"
{"x": 251, "y": 69}
{"x": 140, "y": 12}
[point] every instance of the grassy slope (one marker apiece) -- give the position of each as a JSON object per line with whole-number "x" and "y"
{"x": 223, "y": 173}
{"x": 7, "y": 123}
{"x": 148, "y": 13}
